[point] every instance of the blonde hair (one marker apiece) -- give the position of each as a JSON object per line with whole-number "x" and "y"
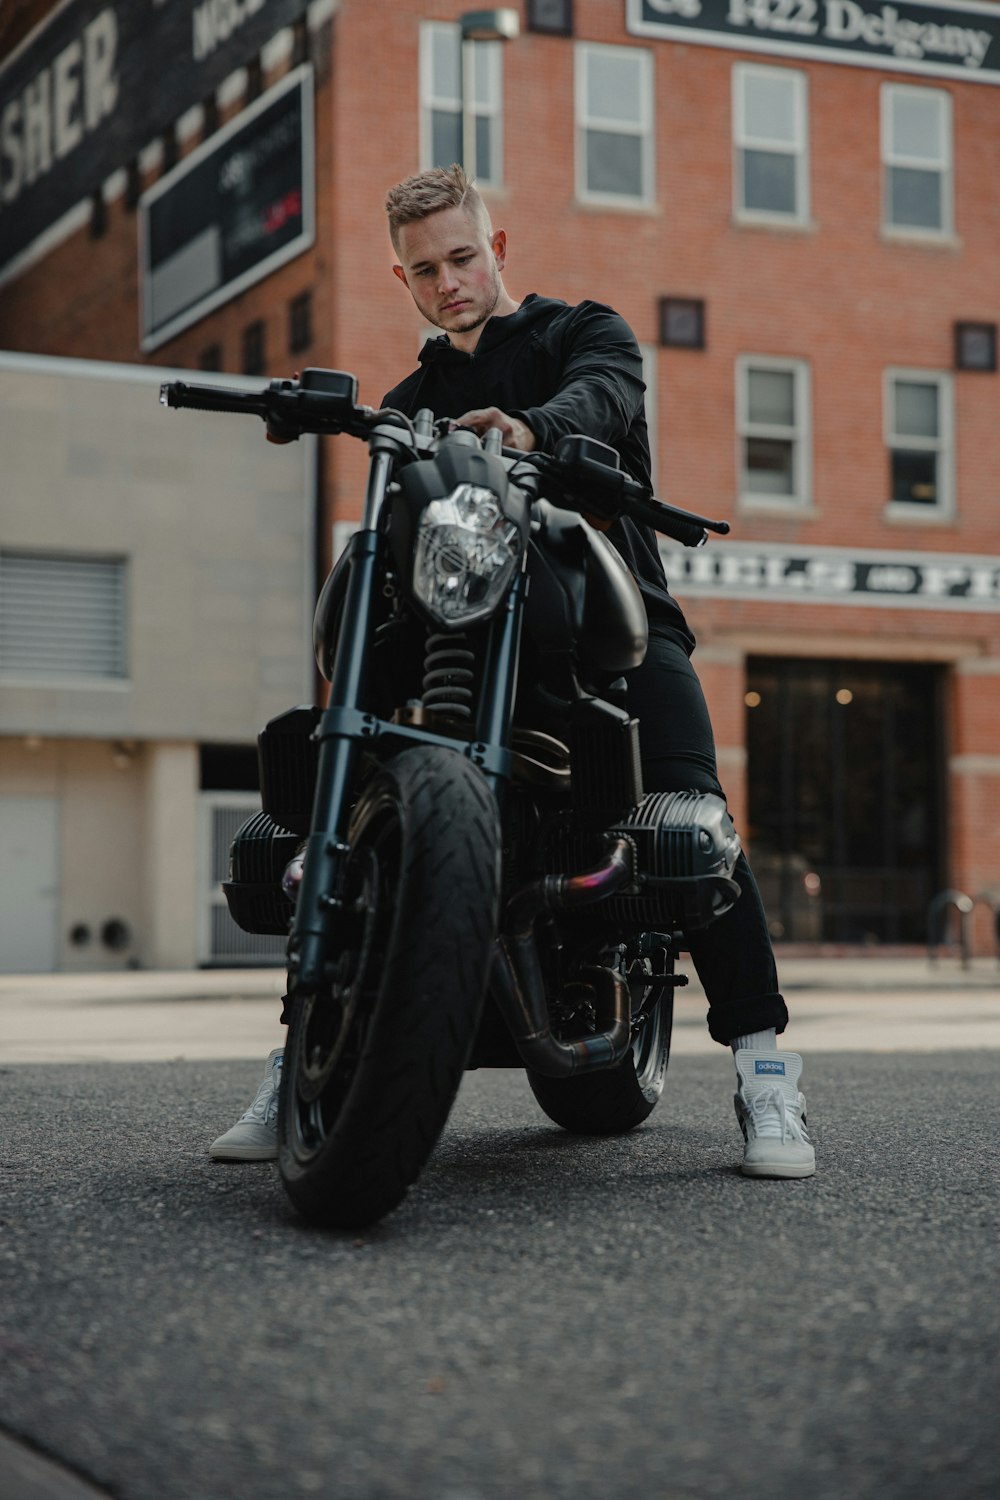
{"x": 428, "y": 193}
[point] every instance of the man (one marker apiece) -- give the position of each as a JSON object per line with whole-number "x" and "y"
{"x": 539, "y": 369}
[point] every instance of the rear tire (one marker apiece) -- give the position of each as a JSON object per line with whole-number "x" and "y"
{"x": 615, "y": 1100}
{"x": 373, "y": 1065}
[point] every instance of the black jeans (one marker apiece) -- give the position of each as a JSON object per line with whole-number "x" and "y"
{"x": 733, "y": 957}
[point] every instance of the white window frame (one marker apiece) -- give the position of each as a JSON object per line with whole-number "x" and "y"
{"x": 643, "y": 130}
{"x": 892, "y": 158}
{"x": 800, "y": 434}
{"x": 943, "y": 508}
{"x": 491, "y": 109}
{"x": 743, "y": 141}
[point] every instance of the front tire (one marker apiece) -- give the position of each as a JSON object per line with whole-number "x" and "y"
{"x": 372, "y": 1066}
{"x": 615, "y": 1100}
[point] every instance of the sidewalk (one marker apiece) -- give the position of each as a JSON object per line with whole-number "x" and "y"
{"x": 853, "y": 975}
{"x": 837, "y": 1004}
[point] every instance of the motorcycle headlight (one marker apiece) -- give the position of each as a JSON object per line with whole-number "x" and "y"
{"x": 466, "y": 554}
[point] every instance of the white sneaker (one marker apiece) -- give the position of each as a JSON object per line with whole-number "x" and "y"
{"x": 772, "y": 1115}
{"x": 254, "y": 1137}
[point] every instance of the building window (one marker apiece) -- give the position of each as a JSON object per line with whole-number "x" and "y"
{"x": 916, "y": 159}
{"x": 614, "y": 124}
{"x": 976, "y": 347}
{"x": 772, "y": 403}
{"x": 210, "y": 358}
{"x": 552, "y": 17}
{"x": 62, "y": 616}
{"x": 441, "y": 102}
{"x": 919, "y": 424}
{"x": 682, "y": 322}
{"x": 253, "y": 348}
{"x": 771, "y": 140}
{"x": 300, "y": 334}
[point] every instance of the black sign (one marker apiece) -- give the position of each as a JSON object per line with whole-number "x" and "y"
{"x": 911, "y": 36}
{"x": 827, "y": 575}
{"x": 97, "y": 81}
{"x": 229, "y": 213}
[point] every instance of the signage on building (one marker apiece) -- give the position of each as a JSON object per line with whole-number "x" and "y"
{"x": 96, "y": 82}
{"x": 831, "y": 575}
{"x": 239, "y": 206}
{"x": 911, "y": 36}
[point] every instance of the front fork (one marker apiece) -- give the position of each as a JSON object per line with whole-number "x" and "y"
{"x": 345, "y": 728}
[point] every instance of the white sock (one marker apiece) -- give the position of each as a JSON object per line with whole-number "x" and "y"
{"x": 756, "y": 1041}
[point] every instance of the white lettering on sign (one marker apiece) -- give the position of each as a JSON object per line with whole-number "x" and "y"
{"x": 689, "y": 9}
{"x": 892, "y": 579}
{"x": 59, "y": 106}
{"x": 744, "y": 571}
{"x": 847, "y": 21}
{"x": 795, "y": 17}
{"x": 214, "y": 22}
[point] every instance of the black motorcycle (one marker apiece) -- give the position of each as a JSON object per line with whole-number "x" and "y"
{"x": 458, "y": 846}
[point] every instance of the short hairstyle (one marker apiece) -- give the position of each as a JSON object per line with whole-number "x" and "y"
{"x": 428, "y": 193}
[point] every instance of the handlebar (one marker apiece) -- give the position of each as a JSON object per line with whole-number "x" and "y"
{"x": 324, "y": 402}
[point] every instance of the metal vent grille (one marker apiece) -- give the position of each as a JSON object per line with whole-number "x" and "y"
{"x": 62, "y": 616}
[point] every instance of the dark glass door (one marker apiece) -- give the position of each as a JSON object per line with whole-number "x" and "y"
{"x": 845, "y": 771}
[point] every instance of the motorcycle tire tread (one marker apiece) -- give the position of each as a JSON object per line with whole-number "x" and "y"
{"x": 430, "y": 994}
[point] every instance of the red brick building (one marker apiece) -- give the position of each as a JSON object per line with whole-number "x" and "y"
{"x": 793, "y": 202}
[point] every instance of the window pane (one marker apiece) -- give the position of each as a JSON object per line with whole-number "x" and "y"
{"x": 446, "y": 63}
{"x": 768, "y": 467}
{"x": 484, "y": 72}
{"x": 446, "y": 138}
{"x": 769, "y": 108}
{"x": 914, "y": 198}
{"x": 916, "y": 409}
{"x": 613, "y": 87}
{"x": 484, "y": 148}
{"x": 769, "y": 182}
{"x": 916, "y": 127}
{"x": 914, "y": 477}
{"x": 771, "y": 398}
{"x": 614, "y": 163}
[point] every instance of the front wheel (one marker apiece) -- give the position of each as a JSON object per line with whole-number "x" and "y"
{"x": 372, "y": 1065}
{"x": 614, "y": 1100}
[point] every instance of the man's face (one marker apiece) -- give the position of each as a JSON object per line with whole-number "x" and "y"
{"x": 451, "y": 269}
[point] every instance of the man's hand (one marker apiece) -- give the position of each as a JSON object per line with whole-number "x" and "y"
{"x": 516, "y": 434}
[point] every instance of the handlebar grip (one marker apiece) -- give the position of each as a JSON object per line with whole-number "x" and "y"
{"x": 211, "y": 398}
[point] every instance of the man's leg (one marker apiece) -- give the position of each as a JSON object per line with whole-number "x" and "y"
{"x": 733, "y": 957}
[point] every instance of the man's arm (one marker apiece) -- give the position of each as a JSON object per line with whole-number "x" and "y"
{"x": 601, "y": 387}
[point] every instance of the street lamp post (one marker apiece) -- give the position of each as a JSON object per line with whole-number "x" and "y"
{"x": 502, "y": 24}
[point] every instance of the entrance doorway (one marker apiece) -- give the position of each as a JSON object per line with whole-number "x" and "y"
{"x": 846, "y": 797}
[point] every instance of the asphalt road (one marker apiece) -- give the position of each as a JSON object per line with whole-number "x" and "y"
{"x": 544, "y": 1317}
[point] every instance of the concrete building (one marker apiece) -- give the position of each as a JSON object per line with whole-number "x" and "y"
{"x": 155, "y": 580}
{"x": 795, "y": 207}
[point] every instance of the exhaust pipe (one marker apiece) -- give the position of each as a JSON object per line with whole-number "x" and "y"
{"x": 518, "y": 986}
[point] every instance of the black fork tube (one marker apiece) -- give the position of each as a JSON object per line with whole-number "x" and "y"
{"x": 316, "y": 903}
{"x": 496, "y": 703}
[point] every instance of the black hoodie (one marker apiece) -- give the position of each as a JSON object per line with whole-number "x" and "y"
{"x": 560, "y": 369}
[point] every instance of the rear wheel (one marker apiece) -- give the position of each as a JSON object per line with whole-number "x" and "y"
{"x": 373, "y": 1064}
{"x": 615, "y": 1100}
